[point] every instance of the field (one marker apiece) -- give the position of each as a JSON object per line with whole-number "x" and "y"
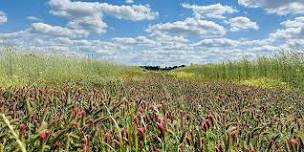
{"x": 70, "y": 104}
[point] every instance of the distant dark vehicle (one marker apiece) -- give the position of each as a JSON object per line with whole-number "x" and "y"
{"x": 158, "y": 68}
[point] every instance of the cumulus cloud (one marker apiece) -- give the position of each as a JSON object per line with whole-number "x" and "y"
{"x": 297, "y": 22}
{"x": 292, "y": 29}
{"x": 242, "y": 23}
{"x": 57, "y": 30}
{"x": 89, "y": 15}
{"x": 153, "y": 49}
{"x": 210, "y": 11}
{"x": 189, "y": 26}
{"x": 139, "y": 40}
{"x": 56, "y": 43}
{"x": 3, "y": 18}
{"x": 281, "y": 7}
{"x": 219, "y": 42}
{"x": 195, "y": 39}
{"x": 290, "y": 36}
{"x": 153, "y": 42}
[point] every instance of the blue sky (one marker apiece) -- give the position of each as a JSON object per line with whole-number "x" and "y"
{"x": 154, "y": 32}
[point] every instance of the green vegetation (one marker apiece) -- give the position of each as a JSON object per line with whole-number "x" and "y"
{"x": 265, "y": 83}
{"x": 155, "y": 114}
{"x": 284, "y": 68}
{"x": 30, "y": 69}
{"x": 52, "y": 103}
{"x": 283, "y": 71}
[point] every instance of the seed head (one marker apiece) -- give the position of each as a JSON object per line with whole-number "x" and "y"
{"x": 292, "y": 142}
{"x": 92, "y": 121}
{"x": 124, "y": 132}
{"x": 58, "y": 144}
{"x": 161, "y": 127}
{"x": 106, "y": 137}
{"x": 83, "y": 114}
{"x": 23, "y": 129}
{"x": 141, "y": 110}
{"x": 140, "y": 131}
{"x": 43, "y": 135}
{"x": 23, "y": 126}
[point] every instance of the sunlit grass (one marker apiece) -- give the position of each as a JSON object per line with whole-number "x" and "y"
{"x": 30, "y": 69}
{"x": 182, "y": 75}
{"x": 265, "y": 83}
{"x": 285, "y": 70}
{"x": 284, "y": 67}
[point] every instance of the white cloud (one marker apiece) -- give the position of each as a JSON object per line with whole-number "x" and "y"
{"x": 189, "y": 27}
{"x": 89, "y": 15}
{"x": 297, "y": 22}
{"x": 290, "y": 36}
{"x": 219, "y": 42}
{"x": 57, "y": 30}
{"x": 210, "y": 11}
{"x": 133, "y": 13}
{"x": 47, "y": 43}
{"x": 258, "y": 42}
{"x": 265, "y": 48}
{"x": 139, "y": 40}
{"x": 288, "y": 33}
{"x": 191, "y": 40}
{"x": 153, "y": 49}
{"x": 294, "y": 43}
{"x": 242, "y": 23}
{"x": 129, "y": 1}
{"x": 33, "y": 18}
{"x": 154, "y": 42}
{"x": 3, "y": 18}
{"x": 293, "y": 29}
{"x": 280, "y": 7}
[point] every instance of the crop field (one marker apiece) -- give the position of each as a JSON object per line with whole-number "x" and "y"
{"x": 151, "y": 75}
{"x": 118, "y": 108}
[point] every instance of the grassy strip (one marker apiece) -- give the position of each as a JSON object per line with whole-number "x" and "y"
{"x": 285, "y": 67}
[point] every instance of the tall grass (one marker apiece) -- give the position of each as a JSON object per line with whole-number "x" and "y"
{"x": 18, "y": 69}
{"x": 284, "y": 67}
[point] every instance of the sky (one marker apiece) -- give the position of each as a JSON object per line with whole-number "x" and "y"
{"x": 154, "y": 32}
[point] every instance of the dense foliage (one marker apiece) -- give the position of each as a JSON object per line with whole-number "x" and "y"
{"x": 156, "y": 114}
{"x": 52, "y": 103}
{"x": 23, "y": 69}
{"x": 284, "y": 67}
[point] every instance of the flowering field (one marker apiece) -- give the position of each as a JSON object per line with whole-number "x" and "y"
{"x": 71, "y": 104}
{"x": 156, "y": 114}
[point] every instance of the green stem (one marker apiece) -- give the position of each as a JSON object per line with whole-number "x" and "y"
{"x": 21, "y": 145}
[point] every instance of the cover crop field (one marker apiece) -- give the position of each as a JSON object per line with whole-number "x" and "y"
{"x": 128, "y": 109}
{"x": 151, "y": 75}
